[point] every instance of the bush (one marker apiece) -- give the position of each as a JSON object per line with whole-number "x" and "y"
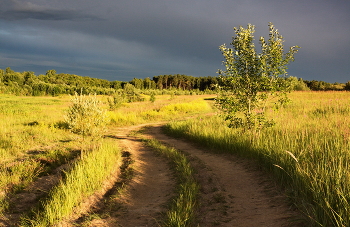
{"x": 347, "y": 86}
{"x": 116, "y": 100}
{"x": 152, "y": 98}
{"x": 85, "y": 116}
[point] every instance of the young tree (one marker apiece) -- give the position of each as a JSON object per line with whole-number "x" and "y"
{"x": 251, "y": 79}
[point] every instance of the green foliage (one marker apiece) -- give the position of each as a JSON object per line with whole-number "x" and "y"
{"x": 127, "y": 95}
{"x": 137, "y": 83}
{"x": 116, "y": 100}
{"x": 152, "y": 98}
{"x": 132, "y": 94}
{"x": 347, "y": 86}
{"x": 315, "y": 85}
{"x": 53, "y": 84}
{"x": 184, "y": 82}
{"x": 85, "y": 116}
{"x": 251, "y": 79}
{"x": 297, "y": 84}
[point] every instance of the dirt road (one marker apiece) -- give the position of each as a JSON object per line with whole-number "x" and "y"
{"x": 233, "y": 191}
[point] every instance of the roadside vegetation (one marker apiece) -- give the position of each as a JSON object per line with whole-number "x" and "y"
{"x": 307, "y": 150}
{"x": 55, "y": 126}
{"x": 30, "y": 144}
{"x": 252, "y": 79}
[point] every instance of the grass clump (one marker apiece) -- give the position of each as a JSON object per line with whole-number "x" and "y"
{"x": 182, "y": 208}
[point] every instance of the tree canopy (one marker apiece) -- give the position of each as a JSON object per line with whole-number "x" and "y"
{"x": 250, "y": 78}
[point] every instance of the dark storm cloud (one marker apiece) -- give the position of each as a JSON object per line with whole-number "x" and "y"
{"x": 44, "y": 15}
{"x": 126, "y": 39}
{"x": 21, "y": 10}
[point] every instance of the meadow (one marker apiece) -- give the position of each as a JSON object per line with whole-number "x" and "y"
{"x": 307, "y": 151}
{"x": 34, "y": 142}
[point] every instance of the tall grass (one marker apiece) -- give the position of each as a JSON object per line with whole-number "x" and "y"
{"x": 29, "y": 140}
{"x": 182, "y": 208}
{"x": 308, "y": 151}
{"x": 32, "y": 141}
{"x": 86, "y": 176}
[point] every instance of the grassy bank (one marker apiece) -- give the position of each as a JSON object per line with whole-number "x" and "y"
{"x": 308, "y": 151}
{"x": 85, "y": 177}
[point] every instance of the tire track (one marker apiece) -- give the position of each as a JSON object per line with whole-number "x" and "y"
{"x": 145, "y": 197}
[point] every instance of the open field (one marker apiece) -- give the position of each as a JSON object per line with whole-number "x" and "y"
{"x": 307, "y": 152}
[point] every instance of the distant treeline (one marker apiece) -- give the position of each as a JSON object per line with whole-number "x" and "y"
{"x": 298, "y": 84}
{"x": 27, "y": 83}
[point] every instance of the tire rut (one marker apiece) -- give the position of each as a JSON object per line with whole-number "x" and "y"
{"x": 144, "y": 199}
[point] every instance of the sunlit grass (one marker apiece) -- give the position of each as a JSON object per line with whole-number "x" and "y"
{"x": 307, "y": 150}
{"x": 163, "y": 109}
{"x": 27, "y": 134}
{"x": 85, "y": 177}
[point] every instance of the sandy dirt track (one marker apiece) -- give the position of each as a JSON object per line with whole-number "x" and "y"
{"x": 233, "y": 192}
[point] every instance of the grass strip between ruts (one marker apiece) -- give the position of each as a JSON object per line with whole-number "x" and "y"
{"x": 182, "y": 208}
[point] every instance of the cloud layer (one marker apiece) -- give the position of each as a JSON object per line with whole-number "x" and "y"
{"x": 120, "y": 40}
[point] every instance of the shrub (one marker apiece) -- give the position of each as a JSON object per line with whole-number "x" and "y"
{"x": 152, "y": 98}
{"x": 85, "y": 116}
{"x": 117, "y": 100}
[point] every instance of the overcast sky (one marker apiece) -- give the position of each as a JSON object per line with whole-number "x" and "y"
{"x": 120, "y": 40}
